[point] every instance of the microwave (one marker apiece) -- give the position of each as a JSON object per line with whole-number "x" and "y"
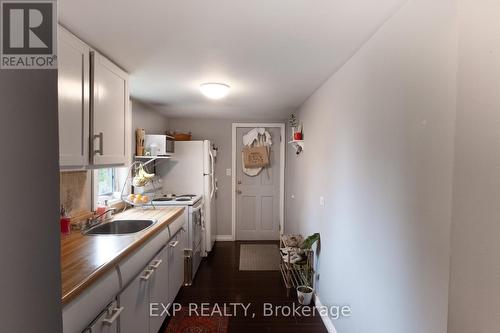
{"x": 159, "y": 145}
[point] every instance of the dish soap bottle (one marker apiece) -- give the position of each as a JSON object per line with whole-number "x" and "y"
{"x": 65, "y": 222}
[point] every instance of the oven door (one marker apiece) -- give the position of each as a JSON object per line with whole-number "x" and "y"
{"x": 197, "y": 222}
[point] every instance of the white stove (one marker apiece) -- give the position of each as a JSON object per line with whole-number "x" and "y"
{"x": 194, "y": 205}
{"x": 177, "y": 200}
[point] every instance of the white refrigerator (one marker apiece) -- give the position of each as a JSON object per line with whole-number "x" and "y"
{"x": 192, "y": 171}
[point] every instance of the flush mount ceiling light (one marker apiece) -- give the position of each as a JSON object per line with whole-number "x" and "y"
{"x": 214, "y": 90}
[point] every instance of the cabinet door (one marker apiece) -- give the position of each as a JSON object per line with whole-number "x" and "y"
{"x": 135, "y": 301}
{"x": 107, "y": 322}
{"x": 73, "y": 86}
{"x": 108, "y": 112}
{"x": 180, "y": 249}
{"x": 176, "y": 248}
{"x": 158, "y": 288}
{"x": 172, "y": 273}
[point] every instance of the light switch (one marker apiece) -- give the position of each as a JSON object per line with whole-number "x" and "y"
{"x": 322, "y": 201}
{"x": 228, "y": 172}
{"x": 293, "y": 196}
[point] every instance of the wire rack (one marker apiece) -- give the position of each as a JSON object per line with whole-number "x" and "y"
{"x": 297, "y": 274}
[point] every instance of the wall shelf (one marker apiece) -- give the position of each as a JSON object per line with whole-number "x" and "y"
{"x": 151, "y": 159}
{"x": 298, "y": 145}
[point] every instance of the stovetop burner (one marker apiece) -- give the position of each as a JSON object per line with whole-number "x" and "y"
{"x": 163, "y": 199}
{"x": 183, "y": 199}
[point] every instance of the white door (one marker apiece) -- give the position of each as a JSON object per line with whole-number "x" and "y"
{"x": 73, "y": 84}
{"x": 109, "y": 103}
{"x": 258, "y": 198}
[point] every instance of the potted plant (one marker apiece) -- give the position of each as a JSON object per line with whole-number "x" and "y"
{"x": 305, "y": 292}
{"x": 298, "y": 134}
{"x": 296, "y": 127}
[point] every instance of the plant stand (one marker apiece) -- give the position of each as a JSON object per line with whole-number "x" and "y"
{"x": 297, "y": 274}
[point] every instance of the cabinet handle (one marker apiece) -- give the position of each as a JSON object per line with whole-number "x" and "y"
{"x": 173, "y": 244}
{"x": 92, "y": 151}
{"x": 116, "y": 313}
{"x": 99, "y": 136}
{"x": 148, "y": 274}
{"x": 156, "y": 264}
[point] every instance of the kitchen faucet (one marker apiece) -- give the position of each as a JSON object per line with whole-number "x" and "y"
{"x": 93, "y": 221}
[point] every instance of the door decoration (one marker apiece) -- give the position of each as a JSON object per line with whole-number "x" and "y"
{"x": 256, "y": 151}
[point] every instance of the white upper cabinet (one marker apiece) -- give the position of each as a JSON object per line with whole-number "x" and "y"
{"x": 94, "y": 115}
{"x": 108, "y": 112}
{"x": 73, "y": 63}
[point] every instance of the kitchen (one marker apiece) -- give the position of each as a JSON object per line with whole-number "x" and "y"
{"x": 264, "y": 166}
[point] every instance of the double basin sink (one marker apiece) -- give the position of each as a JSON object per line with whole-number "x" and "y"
{"x": 120, "y": 227}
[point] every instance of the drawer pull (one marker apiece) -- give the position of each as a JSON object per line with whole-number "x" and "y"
{"x": 173, "y": 244}
{"x": 116, "y": 313}
{"x": 156, "y": 264}
{"x": 148, "y": 274}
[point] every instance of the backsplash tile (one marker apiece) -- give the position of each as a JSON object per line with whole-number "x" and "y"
{"x": 75, "y": 191}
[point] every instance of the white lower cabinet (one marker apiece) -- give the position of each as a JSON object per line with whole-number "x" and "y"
{"x": 129, "y": 311}
{"x": 175, "y": 251}
{"x": 107, "y": 321}
{"x": 158, "y": 289}
{"x": 158, "y": 283}
{"x": 135, "y": 300}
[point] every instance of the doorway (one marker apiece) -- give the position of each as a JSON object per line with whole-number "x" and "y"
{"x": 258, "y": 199}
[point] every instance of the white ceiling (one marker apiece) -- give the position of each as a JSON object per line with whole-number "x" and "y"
{"x": 273, "y": 53}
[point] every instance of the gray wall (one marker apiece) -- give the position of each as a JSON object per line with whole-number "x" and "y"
{"x": 30, "y": 284}
{"x": 219, "y": 132}
{"x": 475, "y": 265}
{"x": 147, "y": 117}
{"x": 379, "y": 147}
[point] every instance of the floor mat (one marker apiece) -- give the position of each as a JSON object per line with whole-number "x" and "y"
{"x": 183, "y": 323}
{"x": 259, "y": 257}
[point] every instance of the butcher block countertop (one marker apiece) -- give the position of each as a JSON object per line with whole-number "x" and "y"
{"x": 84, "y": 259}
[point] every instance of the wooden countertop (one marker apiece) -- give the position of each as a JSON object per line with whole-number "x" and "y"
{"x": 84, "y": 259}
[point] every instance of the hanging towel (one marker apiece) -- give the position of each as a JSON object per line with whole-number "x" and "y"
{"x": 258, "y": 134}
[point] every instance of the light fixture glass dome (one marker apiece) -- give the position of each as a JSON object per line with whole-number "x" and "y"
{"x": 214, "y": 90}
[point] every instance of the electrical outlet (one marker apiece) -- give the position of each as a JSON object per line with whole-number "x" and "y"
{"x": 228, "y": 172}
{"x": 322, "y": 201}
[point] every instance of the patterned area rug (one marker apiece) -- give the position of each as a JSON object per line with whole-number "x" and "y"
{"x": 183, "y": 323}
{"x": 259, "y": 257}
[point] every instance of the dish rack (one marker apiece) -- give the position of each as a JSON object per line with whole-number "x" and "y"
{"x": 296, "y": 274}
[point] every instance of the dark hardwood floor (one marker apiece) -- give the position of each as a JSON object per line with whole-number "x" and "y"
{"x": 219, "y": 281}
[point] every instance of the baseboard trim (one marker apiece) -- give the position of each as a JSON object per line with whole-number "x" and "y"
{"x": 326, "y": 319}
{"x": 224, "y": 238}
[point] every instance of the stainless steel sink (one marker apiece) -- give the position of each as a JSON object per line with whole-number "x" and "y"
{"x": 120, "y": 227}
